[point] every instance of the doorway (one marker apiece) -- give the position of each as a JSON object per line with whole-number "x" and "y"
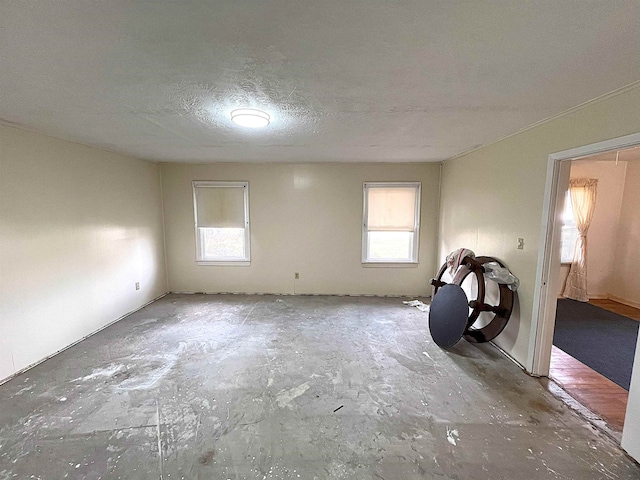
{"x": 548, "y": 280}
{"x": 594, "y": 342}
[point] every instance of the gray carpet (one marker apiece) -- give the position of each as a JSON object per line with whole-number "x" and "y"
{"x": 602, "y": 340}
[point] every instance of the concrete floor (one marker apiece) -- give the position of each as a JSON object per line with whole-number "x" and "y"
{"x": 257, "y": 387}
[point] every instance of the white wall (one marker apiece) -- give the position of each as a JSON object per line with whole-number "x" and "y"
{"x": 78, "y": 227}
{"x": 495, "y": 194}
{"x": 625, "y": 278}
{"x": 305, "y": 218}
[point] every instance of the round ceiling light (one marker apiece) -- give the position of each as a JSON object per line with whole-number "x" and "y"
{"x": 249, "y": 117}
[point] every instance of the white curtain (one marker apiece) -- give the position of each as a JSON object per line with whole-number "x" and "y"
{"x": 583, "y": 201}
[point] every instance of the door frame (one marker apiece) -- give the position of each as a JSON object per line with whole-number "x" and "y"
{"x": 548, "y": 269}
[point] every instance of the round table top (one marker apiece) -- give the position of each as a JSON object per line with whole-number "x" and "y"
{"x": 448, "y": 315}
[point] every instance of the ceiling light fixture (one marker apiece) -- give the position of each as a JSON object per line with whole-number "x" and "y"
{"x": 249, "y": 117}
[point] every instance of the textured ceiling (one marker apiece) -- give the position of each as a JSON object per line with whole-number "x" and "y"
{"x": 357, "y": 80}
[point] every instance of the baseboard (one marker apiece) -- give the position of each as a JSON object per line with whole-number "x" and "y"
{"x": 510, "y": 357}
{"x": 591, "y": 297}
{"x": 629, "y": 303}
{"x": 305, "y": 294}
{"x": 35, "y": 364}
{"x": 615, "y": 298}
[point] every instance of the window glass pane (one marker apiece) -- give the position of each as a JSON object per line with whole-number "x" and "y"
{"x": 567, "y": 212}
{"x": 568, "y": 242}
{"x": 569, "y": 233}
{"x": 390, "y": 245}
{"x": 219, "y": 243}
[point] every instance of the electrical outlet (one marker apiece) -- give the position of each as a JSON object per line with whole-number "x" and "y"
{"x": 137, "y": 285}
{"x": 297, "y": 276}
{"x": 520, "y": 244}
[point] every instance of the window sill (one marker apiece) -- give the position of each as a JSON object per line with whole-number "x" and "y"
{"x": 390, "y": 264}
{"x": 240, "y": 263}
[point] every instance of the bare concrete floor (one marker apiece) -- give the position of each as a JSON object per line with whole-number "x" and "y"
{"x": 262, "y": 387}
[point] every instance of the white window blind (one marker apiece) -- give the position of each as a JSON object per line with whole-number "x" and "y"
{"x": 391, "y": 209}
{"x": 220, "y": 207}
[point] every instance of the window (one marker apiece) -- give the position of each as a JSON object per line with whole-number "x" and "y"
{"x": 569, "y": 233}
{"x": 391, "y": 222}
{"x": 221, "y": 212}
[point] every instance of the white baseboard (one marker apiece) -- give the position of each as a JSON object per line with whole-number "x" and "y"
{"x": 508, "y": 355}
{"x": 375, "y": 295}
{"x": 609, "y": 296}
{"x": 629, "y": 303}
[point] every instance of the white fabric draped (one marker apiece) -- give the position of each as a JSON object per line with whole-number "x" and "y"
{"x": 583, "y": 201}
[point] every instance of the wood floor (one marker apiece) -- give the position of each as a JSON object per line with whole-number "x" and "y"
{"x": 619, "y": 308}
{"x": 593, "y": 390}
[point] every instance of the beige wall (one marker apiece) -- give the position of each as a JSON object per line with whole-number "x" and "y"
{"x": 603, "y": 231}
{"x": 625, "y": 280}
{"x": 495, "y": 194}
{"x": 631, "y": 434}
{"x": 78, "y": 227}
{"x": 305, "y": 218}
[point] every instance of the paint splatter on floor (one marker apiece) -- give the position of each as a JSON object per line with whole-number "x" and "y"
{"x": 249, "y": 387}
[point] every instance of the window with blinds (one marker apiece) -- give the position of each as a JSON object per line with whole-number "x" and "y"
{"x": 221, "y": 213}
{"x": 391, "y": 222}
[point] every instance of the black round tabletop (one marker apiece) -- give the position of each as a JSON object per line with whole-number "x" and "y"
{"x": 448, "y": 315}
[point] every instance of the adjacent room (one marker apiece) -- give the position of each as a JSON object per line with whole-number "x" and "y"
{"x": 211, "y": 213}
{"x": 594, "y": 342}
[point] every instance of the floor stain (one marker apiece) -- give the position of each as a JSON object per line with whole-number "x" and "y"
{"x": 207, "y": 457}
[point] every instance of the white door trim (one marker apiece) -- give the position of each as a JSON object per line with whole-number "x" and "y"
{"x": 547, "y": 272}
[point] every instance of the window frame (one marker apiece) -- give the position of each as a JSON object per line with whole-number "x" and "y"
{"x": 415, "y": 244}
{"x": 199, "y": 244}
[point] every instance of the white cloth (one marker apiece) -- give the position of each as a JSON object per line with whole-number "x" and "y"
{"x": 423, "y": 307}
{"x": 454, "y": 259}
